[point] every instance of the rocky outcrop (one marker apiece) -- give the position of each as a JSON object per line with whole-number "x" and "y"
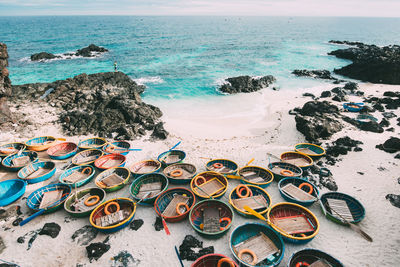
{"x": 105, "y": 104}
{"x": 246, "y": 84}
{"x": 391, "y": 145}
{"x": 316, "y": 74}
{"x": 317, "y": 120}
{"x": 371, "y": 63}
{"x": 5, "y": 86}
{"x": 345, "y": 42}
{"x": 90, "y": 51}
{"x": 43, "y": 56}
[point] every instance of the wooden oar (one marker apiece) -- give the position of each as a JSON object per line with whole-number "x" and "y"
{"x": 179, "y": 256}
{"x": 169, "y": 151}
{"x": 353, "y": 226}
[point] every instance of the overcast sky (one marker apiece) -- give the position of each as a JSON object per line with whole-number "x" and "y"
{"x": 370, "y": 8}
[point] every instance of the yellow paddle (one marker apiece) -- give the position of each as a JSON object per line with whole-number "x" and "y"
{"x": 259, "y": 216}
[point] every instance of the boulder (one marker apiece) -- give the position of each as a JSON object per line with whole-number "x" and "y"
{"x": 246, "y": 84}
{"x": 43, "y": 56}
{"x": 391, "y": 145}
{"x": 316, "y": 74}
{"x": 325, "y": 94}
{"x": 371, "y": 63}
{"x": 88, "y": 51}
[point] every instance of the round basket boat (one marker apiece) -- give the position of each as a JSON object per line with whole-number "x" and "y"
{"x": 11, "y": 149}
{"x": 308, "y": 256}
{"x": 62, "y": 151}
{"x": 223, "y": 166}
{"x": 34, "y": 199}
{"x": 311, "y": 150}
{"x": 174, "y": 204}
{"x": 214, "y": 260}
{"x": 11, "y": 191}
{"x": 207, "y": 208}
{"x": 37, "y": 172}
{"x": 255, "y": 175}
{"x": 171, "y": 157}
{"x": 144, "y": 167}
{"x": 180, "y": 173}
{"x": 299, "y": 159}
{"x": 17, "y": 161}
{"x": 124, "y": 210}
{"x": 263, "y": 236}
{"x": 86, "y": 157}
{"x": 353, "y": 107}
{"x": 209, "y": 185}
{"x": 258, "y": 199}
{"x": 92, "y": 143}
{"x": 109, "y": 161}
{"x": 155, "y": 183}
{"x": 95, "y": 196}
{"x": 301, "y": 225}
{"x": 77, "y": 176}
{"x": 41, "y": 143}
{"x": 283, "y": 170}
{"x": 113, "y": 179}
{"x": 117, "y": 147}
{"x": 310, "y": 195}
{"x": 343, "y": 202}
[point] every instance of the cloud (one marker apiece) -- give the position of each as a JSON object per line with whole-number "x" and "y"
{"x": 203, "y": 7}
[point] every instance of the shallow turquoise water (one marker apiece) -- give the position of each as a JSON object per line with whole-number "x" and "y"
{"x": 180, "y": 57}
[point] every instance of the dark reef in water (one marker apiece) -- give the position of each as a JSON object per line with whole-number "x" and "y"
{"x": 104, "y": 104}
{"x": 89, "y": 51}
{"x": 371, "y": 63}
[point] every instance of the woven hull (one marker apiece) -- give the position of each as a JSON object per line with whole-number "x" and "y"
{"x": 120, "y": 171}
{"x": 146, "y": 179}
{"x": 92, "y": 143}
{"x": 82, "y": 182}
{"x": 255, "y": 191}
{"x": 90, "y": 154}
{"x": 136, "y": 167}
{"x": 211, "y": 260}
{"x": 11, "y": 190}
{"x": 165, "y": 198}
{"x": 93, "y": 191}
{"x": 49, "y": 166}
{"x": 190, "y": 168}
{"x": 296, "y": 156}
{"x": 118, "y": 147}
{"x": 248, "y": 230}
{"x": 297, "y": 172}
{"x": 178, "y": 153}
{"x": 11, "y": 149}
{"x": 208, "y": 176}
{"x": 40, "y": 143}
{"x": 266, "y": 174}
{"x": 99, "y": 163}
{"x": 297, "y": 182}
{"x": 226, "y": 163}
{"x": 33, "y": 200}
{"x": 62, "y": 151}
{"x": 309, "y": 256}
{"x": 311, "y": 150}
{"x": 7, "y": 161}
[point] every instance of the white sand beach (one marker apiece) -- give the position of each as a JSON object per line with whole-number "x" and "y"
{"x": 237, "y": 127}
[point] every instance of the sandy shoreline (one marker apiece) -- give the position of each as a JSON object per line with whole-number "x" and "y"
{"x": 229, "y": 127}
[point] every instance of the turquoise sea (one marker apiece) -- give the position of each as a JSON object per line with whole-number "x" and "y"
{"x": 182, "y": 57}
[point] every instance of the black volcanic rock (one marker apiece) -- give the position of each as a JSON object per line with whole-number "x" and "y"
{"x": 317, "y": 74}
{"x": 88, "y": 51}
{"x": 346, "y": 43}
{"x": 50, "y": 229}
{"x": 325, "y": 94}
{"x": 246, "y": 84}
{"x": 105, "y": 104}
{"x": 394, "y": 199}
{"x": 371, "y": 63}
{"x": 391, "y": 145}
{"x": 43, "y": 56}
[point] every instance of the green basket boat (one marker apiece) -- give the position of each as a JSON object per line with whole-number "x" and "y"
{"x": 94, "y": 191}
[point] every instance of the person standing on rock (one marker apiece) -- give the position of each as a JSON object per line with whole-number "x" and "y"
{"x": 115, "y": 66}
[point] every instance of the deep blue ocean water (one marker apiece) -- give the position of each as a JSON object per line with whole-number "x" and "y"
{"x": 181, "y": 57}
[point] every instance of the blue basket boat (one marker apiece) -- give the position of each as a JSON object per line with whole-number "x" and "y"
{"x": 62, "y": 151}
{"x": 86, "y": 157}
{"x": 311, "y": 150}
{"x": 42, "y": 143}
{"x": 117, "y": 147}
{"x": 92, "y": 143}
{"x": 150, "y": 178}
{"x": 283, "y": 170}
{"x": 180, "y": 173}
{"x": 308, "y": 256}
{"x": 259, "y": 196}
{"x": 295, "y": 223}
{"x": 33, "y": 201}
{"x": 223, "y": 166}
{"x": 353, "y": 107}
{"x": 18, "y": 161}
{"x": 309, "y": 188}
{"x": 212, "y": 206}
{"x": 365, "y": 118}
{"x": 162, "y": 202}
{"x": 356, "y": 209}
{"x": 125, "y": 205}
{"x": 171, "y": 157}
{"x": 265, "y": 236}
{"x": 11, "y": 190}
{"x": 37, "y": 172}
{"x": 77, "y": 176}
{"x": 296, "y": 158}
{"x": 254, "y": 175}
{"x": 11, "y": 149}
